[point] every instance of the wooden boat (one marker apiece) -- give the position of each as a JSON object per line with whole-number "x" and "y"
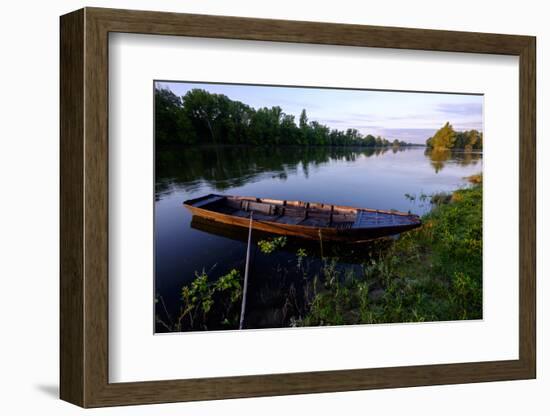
{"x": 310, "y": 220}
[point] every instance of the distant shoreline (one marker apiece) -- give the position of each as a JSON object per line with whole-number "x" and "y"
{"x": 206, "y": 145}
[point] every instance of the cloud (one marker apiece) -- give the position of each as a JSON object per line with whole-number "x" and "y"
{"x": 461, "y": 109}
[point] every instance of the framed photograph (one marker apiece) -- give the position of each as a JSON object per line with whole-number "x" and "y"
{"x": 255, "y": 207}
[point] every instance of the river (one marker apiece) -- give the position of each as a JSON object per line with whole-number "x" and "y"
{"x": 388, "y": 178}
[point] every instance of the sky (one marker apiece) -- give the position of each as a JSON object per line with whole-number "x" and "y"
{"x": 409, "y": 116}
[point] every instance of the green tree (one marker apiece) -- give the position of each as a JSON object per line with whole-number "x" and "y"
{"x": 290, "y": 134}
{"x": 304, "y": 128}
{"x": 370, "y": 140}
{"x": 473, "y": 140}
{"x": 171, "y": 124}
{"x": 204, "y": 110}
{"x": 202, "y": 117}
{"x": 447, "y": 138}
{"x": 303, "y": 119}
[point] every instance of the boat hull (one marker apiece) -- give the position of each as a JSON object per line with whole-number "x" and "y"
{"x": 306, "y": 232}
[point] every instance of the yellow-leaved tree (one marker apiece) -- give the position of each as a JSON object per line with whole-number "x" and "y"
{"x": 444, "y": 138}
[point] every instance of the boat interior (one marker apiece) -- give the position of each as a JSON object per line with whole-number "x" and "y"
{"x": 302, "y": 213}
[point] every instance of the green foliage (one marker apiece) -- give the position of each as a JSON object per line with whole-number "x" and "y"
{"x": 207, "y": 305}
{"x": 301, "y": 256}
{"x": 467, "y": 294}
{"x": 430, "y": 274}
{"x": 269, "y": 246}
{"x": 231, "y": 284}
{"x": 370, "y": 140}
{"x": 200, "y": 117}
{"x": 447, "y": 138}
{"x": 329, "y": 306}
{"x": 469, "y": 140}
{"x": 171, "y": 124}
{"x": 197, "y": 300}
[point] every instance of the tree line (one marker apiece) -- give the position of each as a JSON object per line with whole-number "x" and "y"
{"x": 200, "y": 117}
{"x": 447, "y": 138}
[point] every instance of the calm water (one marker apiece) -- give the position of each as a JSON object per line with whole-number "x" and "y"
{"x": 355, "y": 177}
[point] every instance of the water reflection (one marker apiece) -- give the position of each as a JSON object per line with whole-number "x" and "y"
{"x": 439, "y": 157}
{"x": 345, "y": 252}
{"x": 224, "y": 167}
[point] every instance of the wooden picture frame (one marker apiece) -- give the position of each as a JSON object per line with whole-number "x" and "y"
{"x": 84, "y": 207}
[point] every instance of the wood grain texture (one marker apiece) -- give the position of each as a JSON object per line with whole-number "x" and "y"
{"x": 527, "y": 207}
{"x": 71, "y": 100}
{"x": 225, "y": 27}
{"x": 84, "y": 206}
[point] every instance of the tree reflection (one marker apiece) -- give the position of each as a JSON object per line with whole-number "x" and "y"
{"x": 224, "y": 167}
{"x": 439, "y": 157}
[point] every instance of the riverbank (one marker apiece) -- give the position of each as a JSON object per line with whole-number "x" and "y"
{"x": 433, "y": 273}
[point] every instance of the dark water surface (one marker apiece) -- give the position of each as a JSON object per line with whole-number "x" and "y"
{"x": 357, "y": 177}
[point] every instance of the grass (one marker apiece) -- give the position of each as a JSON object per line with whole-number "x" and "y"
{"x": 433, "y": 273}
